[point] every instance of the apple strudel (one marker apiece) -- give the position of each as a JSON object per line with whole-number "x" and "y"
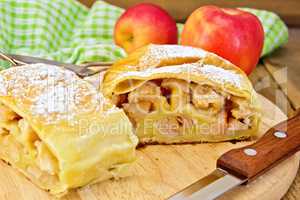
{"x": 59, "y": 131}
{"x": 180, "y": 94}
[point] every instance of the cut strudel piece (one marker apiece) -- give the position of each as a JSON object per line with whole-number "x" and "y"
{"x": 59, "y": 131}
{"x": 179, "y": 94}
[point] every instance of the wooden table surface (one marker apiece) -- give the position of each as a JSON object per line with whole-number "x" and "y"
{"x": 277, "y": 77}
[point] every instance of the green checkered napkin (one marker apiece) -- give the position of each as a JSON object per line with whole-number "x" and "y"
{"x": 66, "y": 31}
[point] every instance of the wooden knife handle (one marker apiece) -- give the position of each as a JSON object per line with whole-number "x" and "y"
{"x": 277, "y": 144}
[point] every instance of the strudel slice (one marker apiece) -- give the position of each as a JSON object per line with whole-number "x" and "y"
{"x": 180, "y": 94}
{"x": 59, "y": 131}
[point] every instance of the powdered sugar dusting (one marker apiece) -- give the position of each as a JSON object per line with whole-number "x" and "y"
{"x": 3, "y": 86}
{"x": 221, "y": 75}
{"x": 157, "y": 53}
{"x": 50, "y": 92}
{"x": 211, "y": 72}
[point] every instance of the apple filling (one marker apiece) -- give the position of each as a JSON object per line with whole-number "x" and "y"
{"x": 22, "y": 147}
{"x": 177, "y": 106}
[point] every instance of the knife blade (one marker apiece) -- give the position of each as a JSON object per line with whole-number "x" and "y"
{"x": 82, "y": 70}
{"x": 240, "y": 166}
{"x": 209, "y": 187}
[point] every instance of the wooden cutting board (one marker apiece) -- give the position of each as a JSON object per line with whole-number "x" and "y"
{"x": 160, "y": 171}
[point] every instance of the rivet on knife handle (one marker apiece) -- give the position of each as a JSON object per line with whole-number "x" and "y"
{"x": 277, "y": 144}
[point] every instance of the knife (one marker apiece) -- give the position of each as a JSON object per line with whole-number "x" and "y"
{"x": 239, "y": 166}
{"x": 82, "y": 70}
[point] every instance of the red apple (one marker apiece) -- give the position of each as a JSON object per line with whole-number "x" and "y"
{"x": 233, "y": 34}
{"x": 144, "y": 24}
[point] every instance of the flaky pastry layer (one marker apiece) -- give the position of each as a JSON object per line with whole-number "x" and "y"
{"x": 59, "y": 131}
{"x": 178, "y": 94}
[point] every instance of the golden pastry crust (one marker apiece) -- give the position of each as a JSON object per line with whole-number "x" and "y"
{"x": 167, "y": 61}
{"x": 202, "y": 82}
{"x": 66, "y": 134}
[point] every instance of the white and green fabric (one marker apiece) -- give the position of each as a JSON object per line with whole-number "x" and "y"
{"x": 276, "y": 32}
{"x": 69, "y": 32}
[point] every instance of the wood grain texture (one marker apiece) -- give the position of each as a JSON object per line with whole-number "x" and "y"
{"x": 284, "y": 66}
{"x": 162, "y": 170}
{"x": 270, "y": 150}
{"x": 293, "y": 192}
{"x": 180, "y": 10}
{"x": 265, "y": 84}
